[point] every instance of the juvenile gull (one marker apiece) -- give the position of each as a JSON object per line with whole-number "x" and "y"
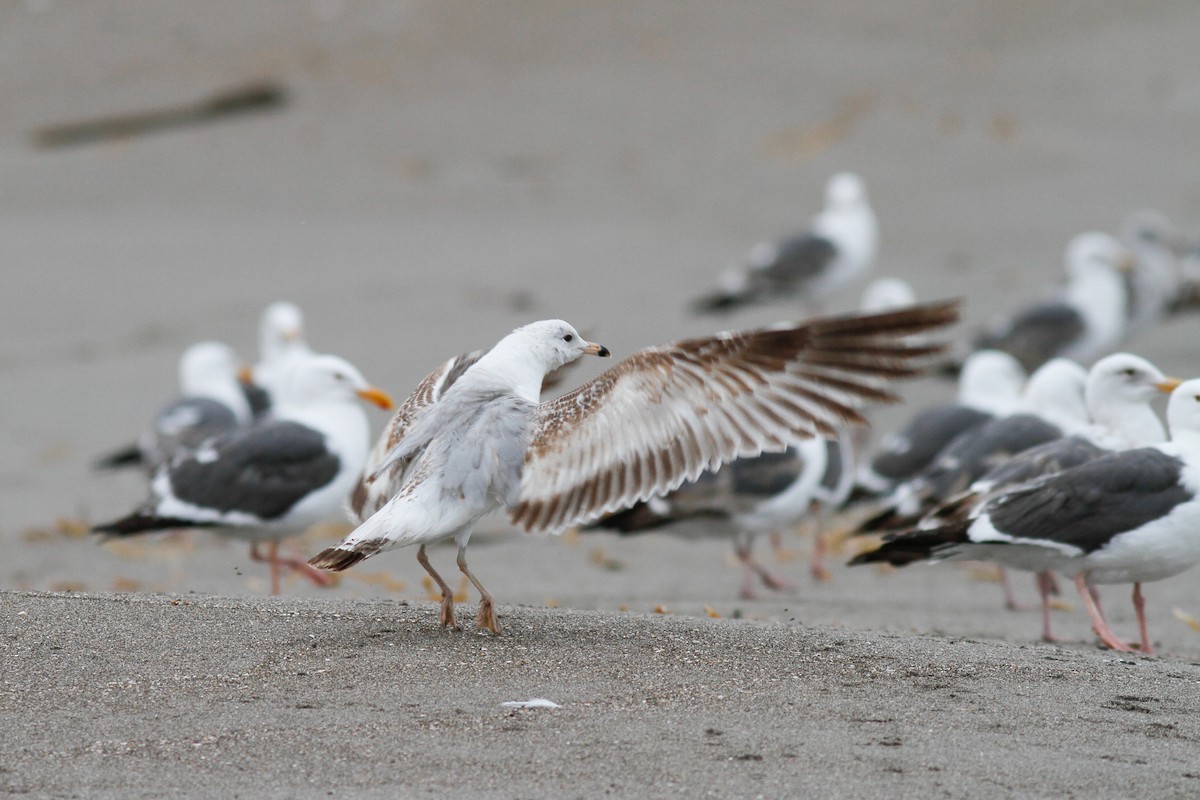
{"x": 211, "y": 402}
{"x": 838, "y": 249}
{"x": 660, "y": 417}
{"x": 273, "y": 478}
{"x": 1126, "y": 517}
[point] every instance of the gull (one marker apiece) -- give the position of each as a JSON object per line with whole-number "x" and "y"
{"x": 270, "y": 479}
{"x": 658, "y": 418}
{"x": 1086, "y": 319}
{"x": 749, "y": 496}
{"x": 211, "y": 402}
{"x": 281, "y": 344}
{"x": 1118, "y": 393}
{"x": 838, "y": 249}
{"x": 1052, "y": 405}
{"x": 1126, "y": 517}
{"x": 989, "y": 385}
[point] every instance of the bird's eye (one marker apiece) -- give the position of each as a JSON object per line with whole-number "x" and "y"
{"x": 1130, "y": 372}
{"x": 341, "y": 376}
{"x": 568, "y": 338}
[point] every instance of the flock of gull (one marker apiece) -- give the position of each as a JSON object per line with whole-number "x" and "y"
{"x": 1049, "y": 458}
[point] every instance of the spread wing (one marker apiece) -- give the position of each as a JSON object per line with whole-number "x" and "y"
{"x": 666, "y": 414}
{"x": 368, "y": 496}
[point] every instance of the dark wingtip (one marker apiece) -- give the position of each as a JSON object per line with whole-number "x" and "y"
{"x": 129, "y": 456}
{"x": 335, "y": 559}
{"x": 869, "y": 557}
{"x": 889, "y": 553}
{"x": 144, "y": 522}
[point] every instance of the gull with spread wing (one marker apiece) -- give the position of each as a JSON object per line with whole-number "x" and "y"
{"x": 472, "y": 440}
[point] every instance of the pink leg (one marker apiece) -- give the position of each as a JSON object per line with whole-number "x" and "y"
{"x": 272, "y": 558}
{"x": 743, "y": 546}
{"x": 317, "y": 576}
{"x": 446, "y": 618}
{"x": 1095, "y": 593}
{"x": 1099, "y": 624}
{"x": 1010, "y": 598}
{"x": 1047, "y": 586}
{"x": 1139, "y": 605}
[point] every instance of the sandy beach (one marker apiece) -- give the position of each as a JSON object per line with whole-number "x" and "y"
{"x": 437, "y": 174}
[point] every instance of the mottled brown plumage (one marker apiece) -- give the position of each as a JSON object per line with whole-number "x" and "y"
{"x": 708, "y": 401}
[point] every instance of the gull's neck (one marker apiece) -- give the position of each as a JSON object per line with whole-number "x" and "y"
{"x": 1126, "y": 425}
{"x": 511, "y": 367}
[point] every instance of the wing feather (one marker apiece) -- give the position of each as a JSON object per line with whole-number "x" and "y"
{"x": 666, "y": 414}
{"x": 369, "y": 496}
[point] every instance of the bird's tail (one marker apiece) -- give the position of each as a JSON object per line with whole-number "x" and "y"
{"x": 144, "y": 522}
{"x": 363, "y": 542}
{"x": 908, "y": 546}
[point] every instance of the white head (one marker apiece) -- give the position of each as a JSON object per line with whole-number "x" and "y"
{"x": 322, "y": 378}
{"x": 205, "y": 365}
{"x": 1119, "y": 390}
{"x": 845, "y": 189}
{"x": 1124, "y": 379}
{"x": 991, "y": 380}
{"x": 1183, "y": 413}
{"x": 887, "y": 294}
{"x": 280, "y": 329}
{"x": 1055, "y": 392}
{"x": 1090, "y": 252}
{"x": 552, "y": 343}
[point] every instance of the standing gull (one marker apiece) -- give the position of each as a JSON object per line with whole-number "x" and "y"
{"x": 658, "y": 418}
{"x": 281, "y": 344}
{"x": 1127, "y": 517}
{"x": 1053, "y": 405}
{"x": 748, "y": 496}
{"x": 280, "y": 475}
{"x": 838, "y": 249}
{"x": 1118, "y": 393}
{"x": 989, "y": 385}
{"x": 1085, "y": 320}
{"x": 211, "y": 402}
